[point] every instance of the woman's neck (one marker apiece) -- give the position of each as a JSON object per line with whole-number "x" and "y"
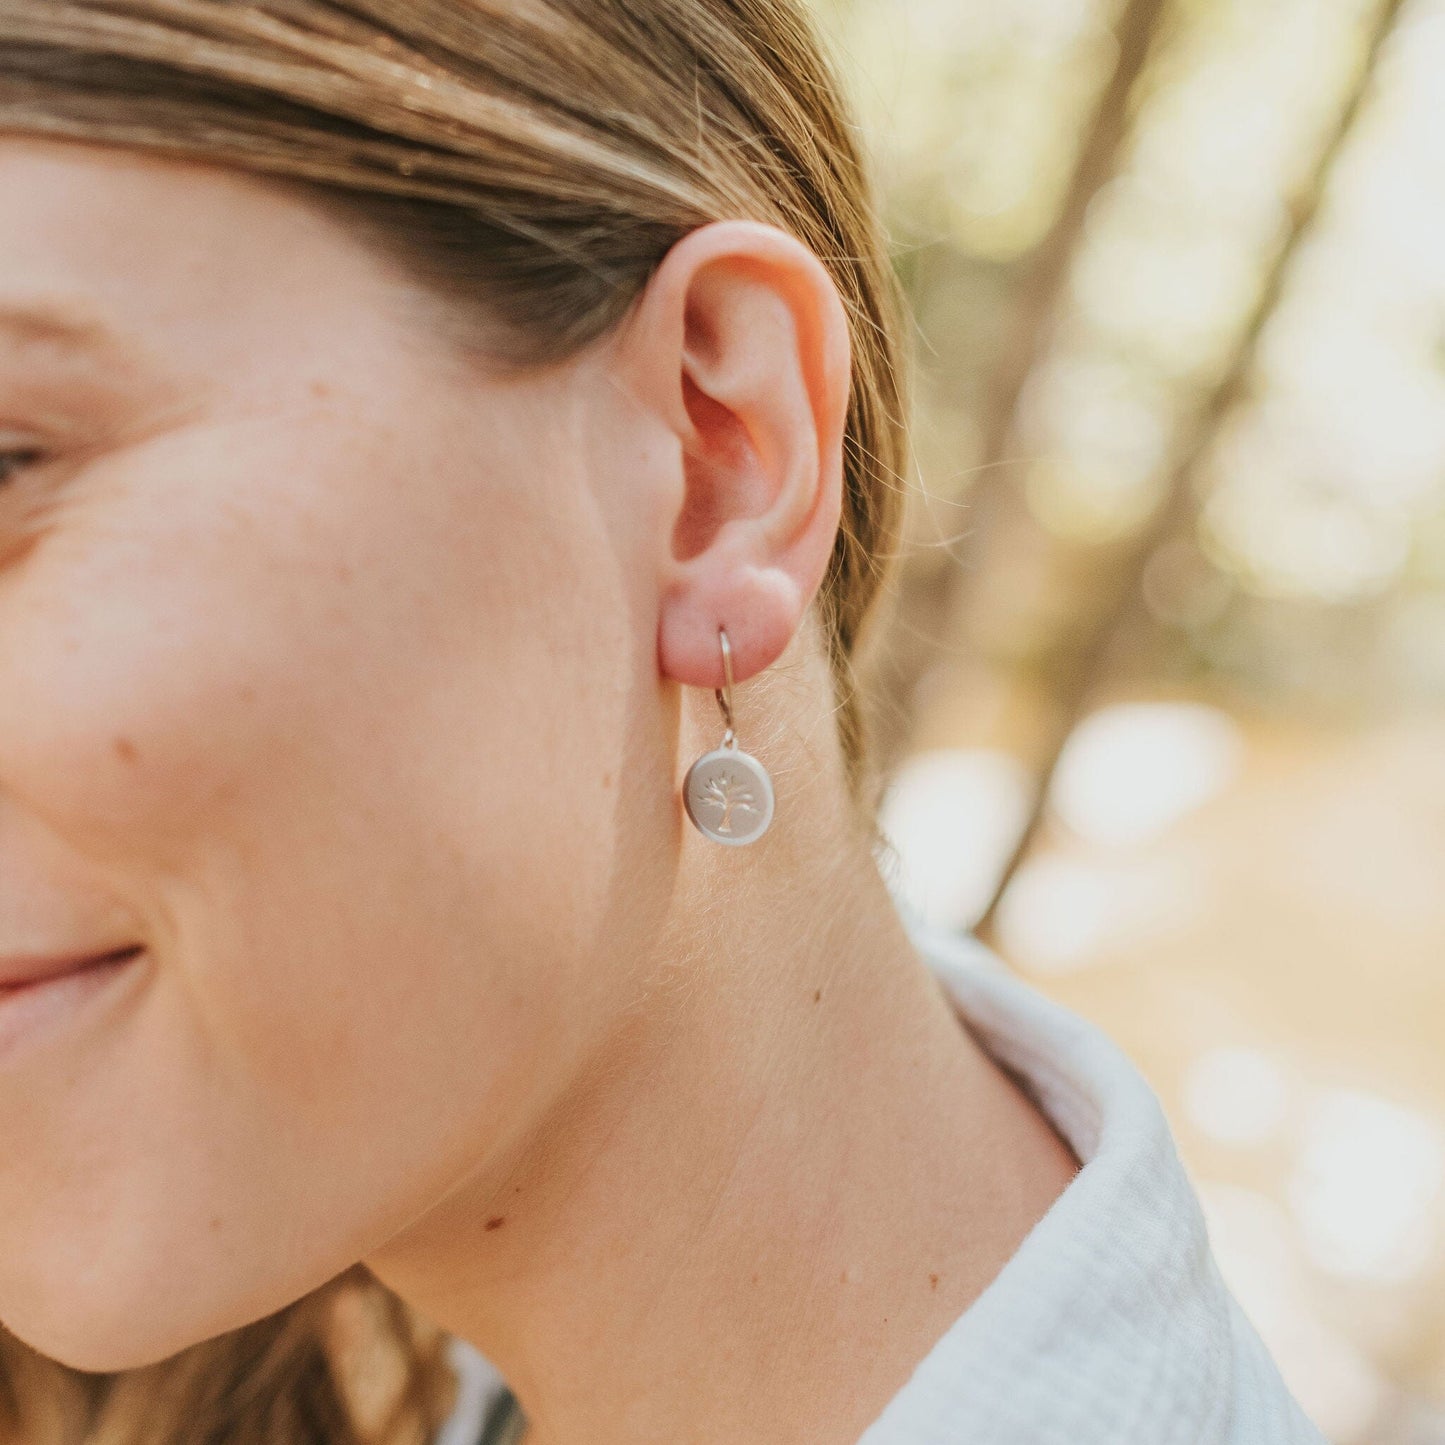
{"x": 789, "y": 1173}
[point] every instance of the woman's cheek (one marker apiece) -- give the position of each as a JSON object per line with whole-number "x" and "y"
{"x": 146, "y": 669}
{"x": 132, "y": 715}
{"x": 197, "y": 600}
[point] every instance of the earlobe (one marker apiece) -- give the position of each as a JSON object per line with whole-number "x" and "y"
{"x": 741, "y": 344}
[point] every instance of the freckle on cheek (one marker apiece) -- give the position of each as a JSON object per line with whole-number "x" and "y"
{"x": 126, "y": 750}
{"x": 496, "y": 1223}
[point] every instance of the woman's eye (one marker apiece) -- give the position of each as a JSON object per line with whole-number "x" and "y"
{"x": 12, "y": 462}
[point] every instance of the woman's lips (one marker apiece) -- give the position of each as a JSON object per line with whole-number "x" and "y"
{"x": 40, "y": 1003}
{"x": 23, "y": 970}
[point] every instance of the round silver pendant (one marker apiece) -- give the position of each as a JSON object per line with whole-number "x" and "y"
{"x": 729, "y": 796}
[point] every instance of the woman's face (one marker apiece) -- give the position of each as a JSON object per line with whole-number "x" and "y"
{"x": 322, "y": 651}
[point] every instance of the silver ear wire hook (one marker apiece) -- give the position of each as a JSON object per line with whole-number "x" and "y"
{"x": 725, "y": 692}
{"x": 728, "y": 793}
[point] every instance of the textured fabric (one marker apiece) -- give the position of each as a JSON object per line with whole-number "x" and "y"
{"x": 1110, "y": 1325}
{"x": 481, "y": 1394}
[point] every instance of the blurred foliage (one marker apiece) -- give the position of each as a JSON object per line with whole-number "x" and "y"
{"x": 1168, "y": 671}
{"x": 1321, "y": 494}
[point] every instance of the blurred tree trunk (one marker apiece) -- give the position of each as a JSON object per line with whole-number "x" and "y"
{"x": 1114, "y": 591}
{"x": 932, "y": 591}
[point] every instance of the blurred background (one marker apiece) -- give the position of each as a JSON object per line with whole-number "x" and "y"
{"x": 1167, "y": 677}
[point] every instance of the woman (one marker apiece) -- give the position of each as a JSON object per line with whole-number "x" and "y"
{"x": 450, "y": 462}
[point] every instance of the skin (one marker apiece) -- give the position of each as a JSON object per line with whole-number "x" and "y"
{"x": 355, "y": 682}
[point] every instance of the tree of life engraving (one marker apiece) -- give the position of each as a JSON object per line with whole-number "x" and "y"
{"x": 732, "y": 795}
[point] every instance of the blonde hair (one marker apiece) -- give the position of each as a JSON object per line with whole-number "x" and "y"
{"x": 532, "y": 161}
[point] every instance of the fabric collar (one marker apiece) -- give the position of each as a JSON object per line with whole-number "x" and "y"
{"x": 1111, "y": 1322}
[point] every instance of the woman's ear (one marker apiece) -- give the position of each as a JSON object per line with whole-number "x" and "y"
{"x": 740, "y": 346}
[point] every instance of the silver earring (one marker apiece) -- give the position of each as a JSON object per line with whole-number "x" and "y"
{"x": 728, "y": 793}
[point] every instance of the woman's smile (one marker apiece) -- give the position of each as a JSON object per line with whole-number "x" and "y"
{"x": 44, "y": 1001}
